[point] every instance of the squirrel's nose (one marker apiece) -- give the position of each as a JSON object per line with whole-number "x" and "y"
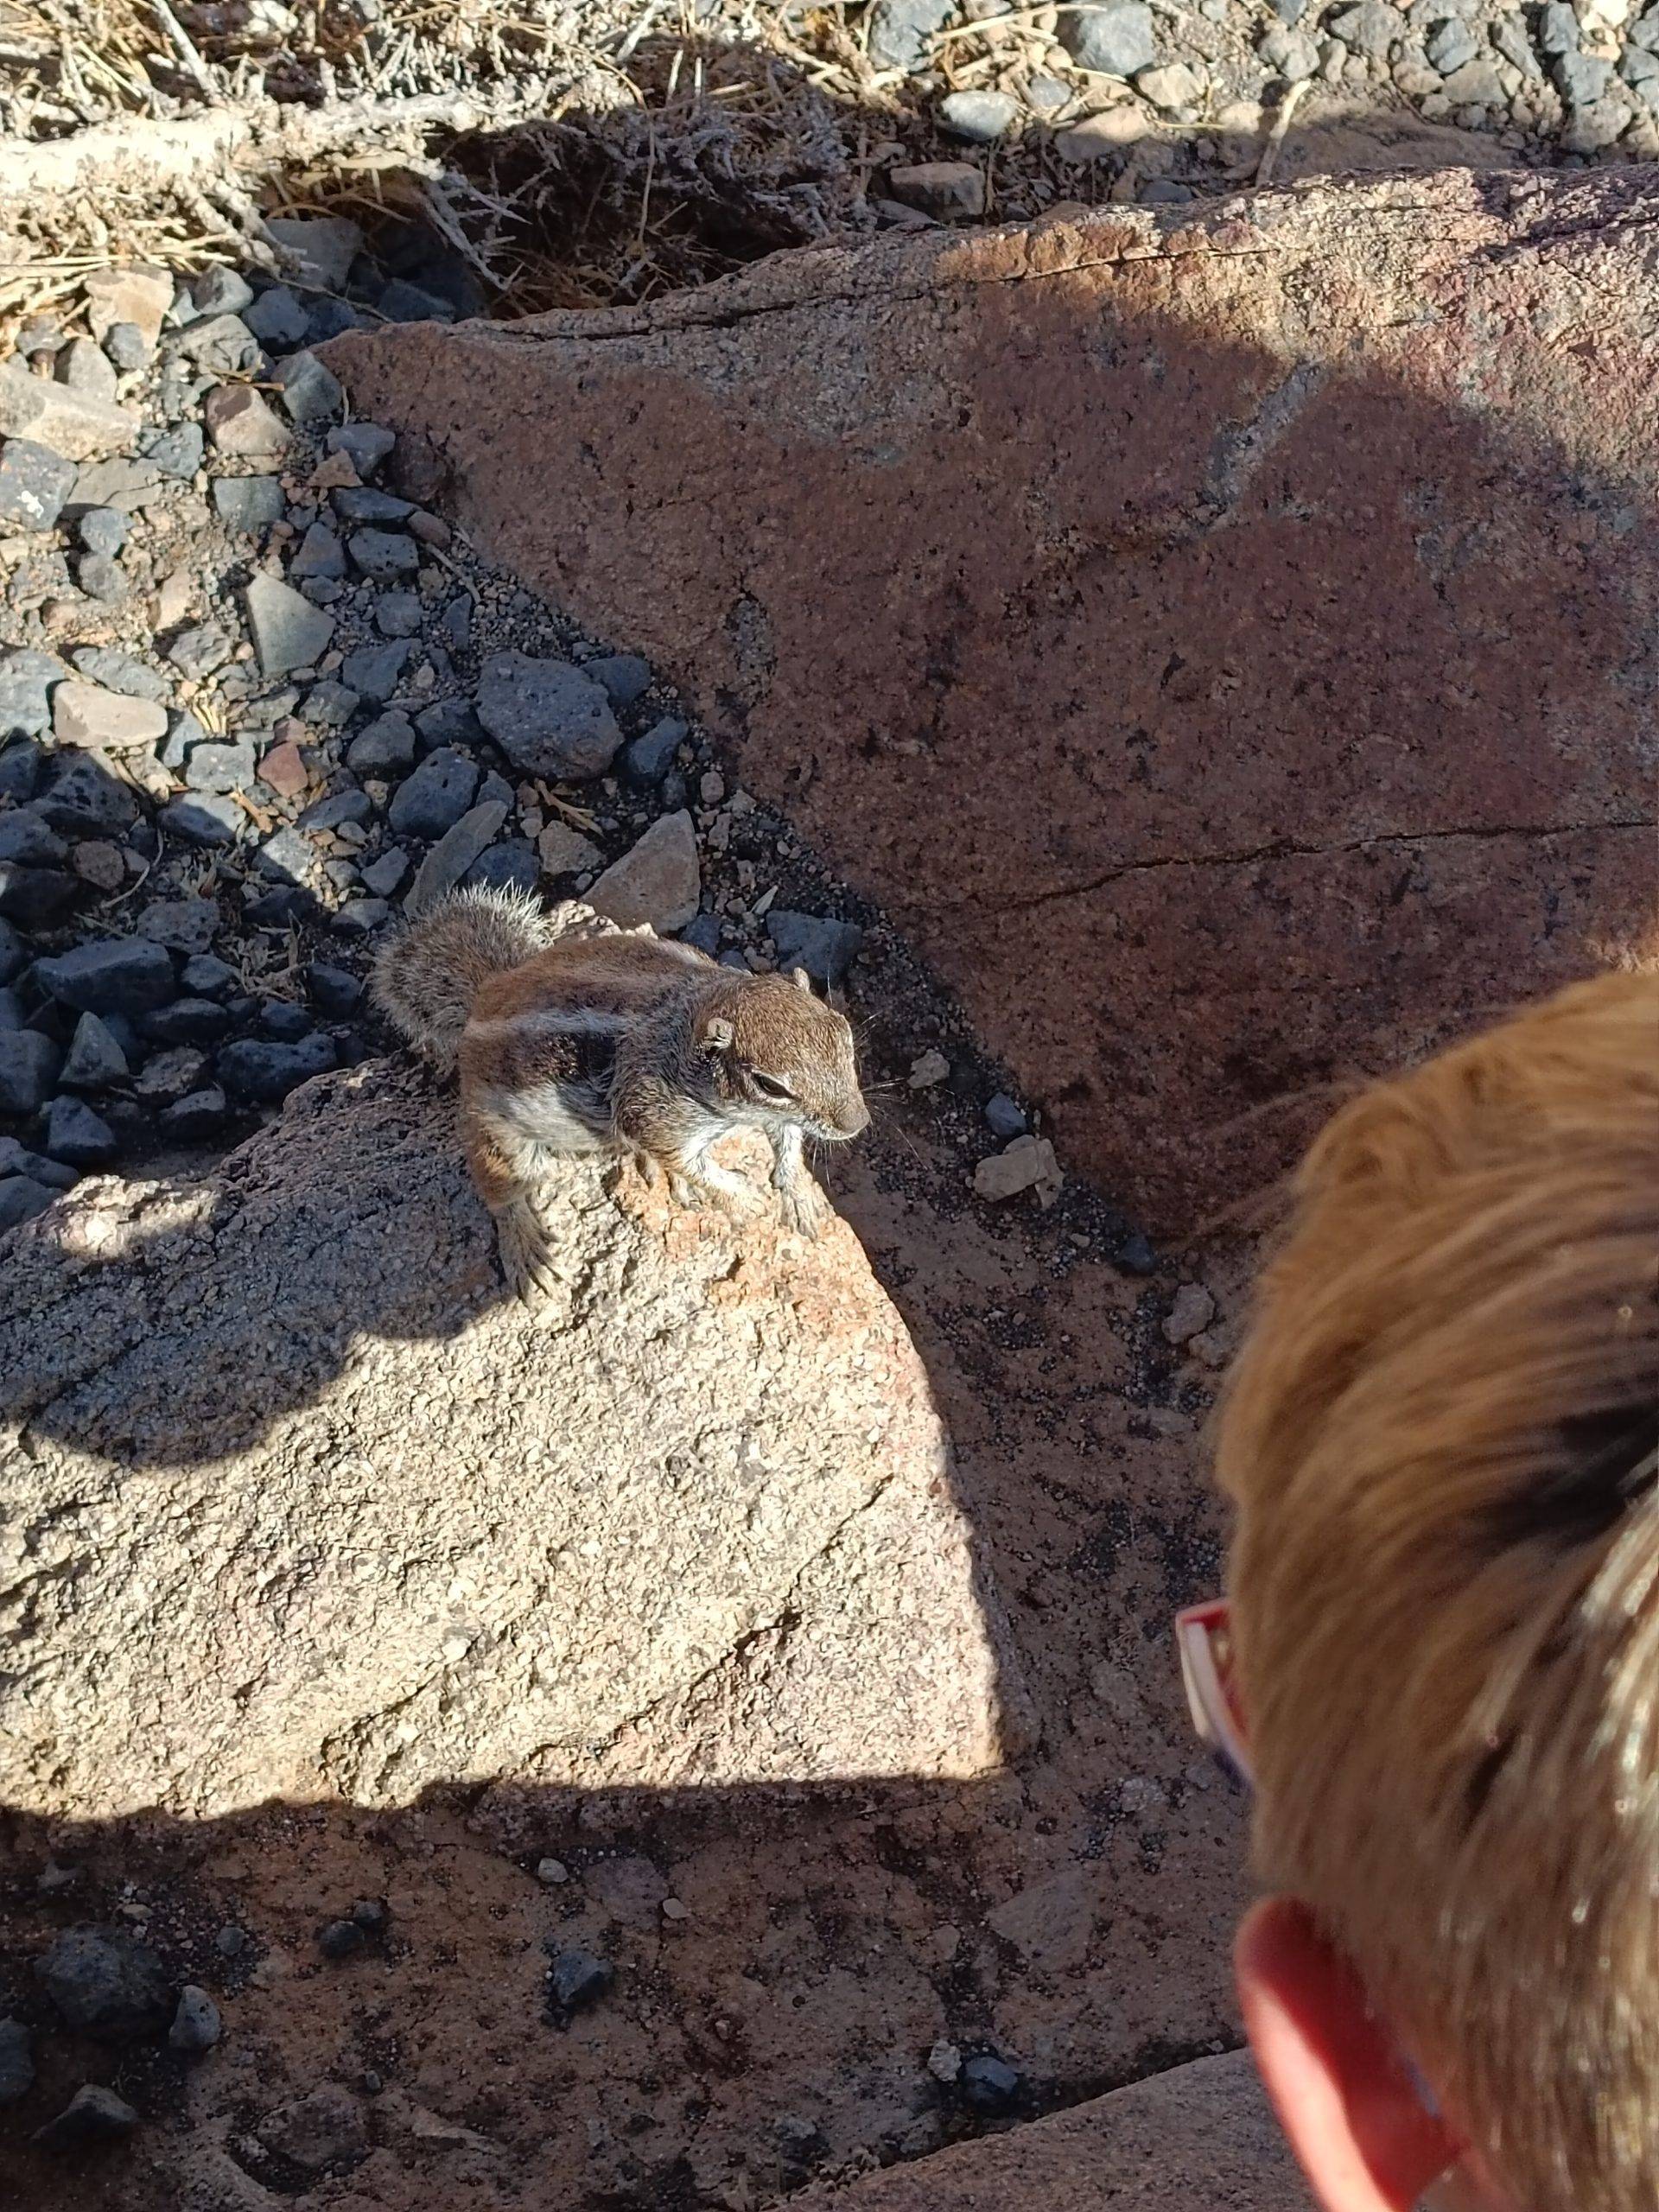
{"x": 854, "y": 1117}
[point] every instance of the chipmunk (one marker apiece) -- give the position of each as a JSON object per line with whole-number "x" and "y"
{"x": 621, "y": 1043}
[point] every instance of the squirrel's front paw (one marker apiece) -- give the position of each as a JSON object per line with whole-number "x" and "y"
{"x": 802, "y": 1209}
{"x": 526, "y": 1256}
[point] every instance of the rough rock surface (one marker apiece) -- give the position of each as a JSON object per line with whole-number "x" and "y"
{"x": 298, "y": 1505}
{"x": 1252, "y": 612}
{"x": 1198, "y": 2138}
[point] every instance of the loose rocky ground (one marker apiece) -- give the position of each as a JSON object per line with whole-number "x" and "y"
{"x": 253, "y": 704}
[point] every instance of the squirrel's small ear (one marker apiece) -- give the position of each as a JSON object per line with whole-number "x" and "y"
{"x": 801, "y": 980}
{"x": 717, "y": 1035}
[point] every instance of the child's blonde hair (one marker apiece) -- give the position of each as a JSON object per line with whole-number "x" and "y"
{"x": 1440, "y": 1436}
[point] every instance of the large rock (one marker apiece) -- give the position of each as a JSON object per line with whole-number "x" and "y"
{"x": 298, "y": 1504}
{"x": 1198, "y": 2138}
{"x": 1225, "y": 639}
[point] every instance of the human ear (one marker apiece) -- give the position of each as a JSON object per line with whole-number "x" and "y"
{"x": 1354, "y": 2116}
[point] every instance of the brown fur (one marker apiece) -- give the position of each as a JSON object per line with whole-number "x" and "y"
{"x": 1439, "y": 1438}
{"x": 616, "y": 1043}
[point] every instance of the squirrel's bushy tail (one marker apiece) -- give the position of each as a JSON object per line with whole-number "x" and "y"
{"x": 426, "y": 979}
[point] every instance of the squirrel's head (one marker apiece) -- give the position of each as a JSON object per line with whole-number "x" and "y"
{"x": 775, "y": 1054}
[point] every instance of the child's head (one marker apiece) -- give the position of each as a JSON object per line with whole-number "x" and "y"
{"x": 1441, "y": 1439}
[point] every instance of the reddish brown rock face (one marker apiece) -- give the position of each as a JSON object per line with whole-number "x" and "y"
{"x": 1228, "y": 649}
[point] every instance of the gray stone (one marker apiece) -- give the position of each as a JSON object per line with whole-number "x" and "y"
{"x": 11, "y": 1009}
{"x": 204, "y": 819}
{"x": 187, "y": 925}
{"x": 26, "y": 836}
{"x": 1596, "y": 124}
{"x": 1451, "y": 44}
{"x": 277, "y": 320}
{"x": 388, "y": 744}
{"x": 1370, "y": 29}
{"x": 222, "y": 345}
{"x": 200, "y": 1114}
{"x": 338, "y": 807}
{"x": 200, "y": 651}
{"x": 435, "y": 796}
{"x": 264, "y": 1071}
{"x": 26, "y": 680}
{"x": 383, "y": 877}
{"x": 1112, "y": 41}
{"x": 48, "y": 414}
{"x": 34, "y": 484}
{"x": 1477, "y": 83}
{"x": 648, "y": 759}
{"x": 1637, "y": 65}
{"x": 320, "y": 249}
{"x": 205, "y": 976}
{"x": 365, "y": 444}
{"x": 177, "y": 453}
{"x": 128, "y": 485}
{"x": 328, "y": 705}
{"x": 20, "y": 767}
{"x": 1583, "y": 78}
{"x": 286, "y": 856}
{"x": 825, "y": 948}
{"x": 317, "y": 2133}
{"x": 454, "y": 854}
{"x": 103, "y": 1982}
{"x": 565, "y": 851}
{"x": 456, "y": 623}
{"x": 14, "y": 957}
{"x": 1557, "y": 30}
{"x": 981, "y": 117}
{"x": 945, "y": 190}
{"x": 361, "y": 917}
{"x": 366, "y": 503}
{"x": 509, "y": 866}
{"x": 220, "y": 292}
{"x": 335, "y": 992}
{"x": 989, "y": 2084}
{"x": 119, "y": 671}
{"x": 625, "y": 677}
{"x": 36, "y": 897}
{"x": 1193, "y": 1310}
{"x": 186, "y": 1021}
{"x": 659, "y": 881}
{"x": 449, "y": 721}
{"x": 1173, "y": 87}
{"x": 127, "y": 348}
{"x": 319, "y": 553}
{"x": 248, "y": 504}
{"x": 401, "y": 302}
{"x": 214, "y": 767}
{"x": 168, "y": 1076}
{"x": 28, "y": 1068}
{"x": 399, "y": 613}
{"x": 20, "y": 1198}
{"x": 242, "y": 425}
{"x": 311, "y": 392}
{"x": 382, "y": 554}
{"x": 95, "y": 1058}
{"x": 902, "y": 31}
{"x": 288, "y": 630}
{"x": 547, "y": 716}
{"x": 1005, "y": 1117}
{"x": 93, "y": 2116}
{"x": 75, "y": 1134}
{"x": 51, "y": 1175}
{"x": 330, "y": 317}
{"x": 183, "y": 731}
{"x": 196, "y": 2025}
{"x": 575, "y": 1979}
{"x": 374, "y": 671}
{"x": 1644, "y": 32}
{"x": 84, "y": 799}
{"x": 88, "y": 715}
{"x": 17, "y": 2056}
{"x": 103, "y": 529}
{"x": 82, "y": 366}
{"x": 116, "y": 974}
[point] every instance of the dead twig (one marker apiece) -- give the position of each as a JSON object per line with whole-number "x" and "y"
{"x": 1287, "y": 107}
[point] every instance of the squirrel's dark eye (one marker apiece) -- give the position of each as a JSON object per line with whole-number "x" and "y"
{"x": 768, "y": 1085}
